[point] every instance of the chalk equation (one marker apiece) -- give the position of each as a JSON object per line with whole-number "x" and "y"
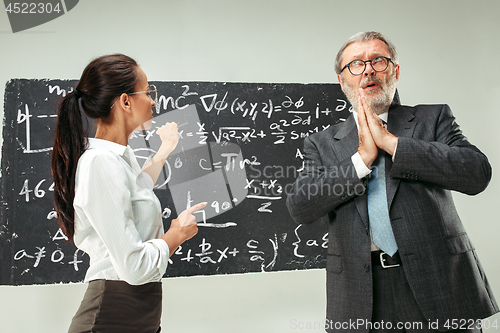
{"x": 261, "y": 253}
{"x": 294, "y": 128}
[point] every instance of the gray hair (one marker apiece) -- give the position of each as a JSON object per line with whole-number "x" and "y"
{"x": 365, "y": 37}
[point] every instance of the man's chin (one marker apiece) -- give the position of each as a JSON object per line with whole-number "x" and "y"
{"x": 374, "y": 95}
{"x": 379, "y": 103}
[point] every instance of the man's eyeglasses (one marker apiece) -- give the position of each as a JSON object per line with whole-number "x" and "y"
{"x": 152, "y": 93}
{"x": 358, "y": 66}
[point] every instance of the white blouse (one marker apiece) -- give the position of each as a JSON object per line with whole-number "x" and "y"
{"x": 117, "y": 222}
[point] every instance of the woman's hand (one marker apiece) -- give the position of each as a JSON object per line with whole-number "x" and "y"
{"x": 169, "y": 139}
{"x": 169, "y": 136}
{"x": 182, "y": 228}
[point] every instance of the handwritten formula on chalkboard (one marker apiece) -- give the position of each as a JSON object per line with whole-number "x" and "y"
{"x": 240, "y": 149}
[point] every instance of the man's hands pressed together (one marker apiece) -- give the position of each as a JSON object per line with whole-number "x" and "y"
{"x": 372, "y": 133}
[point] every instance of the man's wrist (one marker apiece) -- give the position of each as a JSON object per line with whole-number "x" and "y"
{"x": 360, "y": 166}
{"x": 390, "y": 147}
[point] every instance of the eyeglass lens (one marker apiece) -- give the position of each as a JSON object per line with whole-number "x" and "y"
{"x": 379, "y": 64}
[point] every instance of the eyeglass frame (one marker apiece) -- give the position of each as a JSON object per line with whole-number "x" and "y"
{"x": 371, "y": 64}
{"x": 152, "y": 88}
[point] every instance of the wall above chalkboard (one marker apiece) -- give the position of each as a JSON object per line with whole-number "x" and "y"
{"x": 253, "y": 129}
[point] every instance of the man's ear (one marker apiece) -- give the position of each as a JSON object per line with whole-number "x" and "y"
{"x": 339, "y": 77}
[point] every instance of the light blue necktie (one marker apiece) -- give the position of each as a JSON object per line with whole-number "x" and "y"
{"x": 378, "y": 211}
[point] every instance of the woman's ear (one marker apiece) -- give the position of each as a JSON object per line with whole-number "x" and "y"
{"x": 124, "y": 102}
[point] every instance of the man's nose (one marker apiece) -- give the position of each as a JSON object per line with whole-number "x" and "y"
{"x": 369, "y": 69}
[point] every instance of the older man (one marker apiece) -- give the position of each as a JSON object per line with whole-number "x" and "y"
{"x": 399, "y": 259}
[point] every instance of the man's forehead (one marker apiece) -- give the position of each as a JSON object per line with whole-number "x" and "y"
{"x": 359, "y": 50}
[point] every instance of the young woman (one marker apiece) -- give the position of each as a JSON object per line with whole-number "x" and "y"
{"x": 101, "y": 204}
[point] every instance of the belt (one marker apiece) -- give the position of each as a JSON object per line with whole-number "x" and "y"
{"x": 380, "y": 258}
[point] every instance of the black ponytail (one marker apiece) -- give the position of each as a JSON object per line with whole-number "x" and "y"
{"x": 69, "y": 144}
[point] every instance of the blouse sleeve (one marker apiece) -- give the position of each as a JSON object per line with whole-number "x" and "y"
{"x": 104, "y": 197}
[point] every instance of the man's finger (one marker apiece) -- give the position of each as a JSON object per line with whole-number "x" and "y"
{"x": 362, "y": 121}
{"x": 375, "y": 123}
{"x": 370, "y": 114}
{"x": 367, "y": 108}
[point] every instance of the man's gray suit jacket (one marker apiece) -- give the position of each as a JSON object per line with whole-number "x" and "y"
{"x": 432, "y": 158}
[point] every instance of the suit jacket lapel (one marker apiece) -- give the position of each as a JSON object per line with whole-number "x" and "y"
{"x": 346, "y": 140}
{"x": 399, "y": 123}
{"x": 347, "y": 143}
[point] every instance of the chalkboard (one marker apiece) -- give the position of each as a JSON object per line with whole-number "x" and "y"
{"x": 243, "y": 140}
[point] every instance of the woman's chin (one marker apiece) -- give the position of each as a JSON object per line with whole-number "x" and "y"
{"x": 145, "y": 126}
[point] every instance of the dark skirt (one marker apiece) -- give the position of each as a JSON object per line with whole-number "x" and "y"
{"x": 116, "y": 306}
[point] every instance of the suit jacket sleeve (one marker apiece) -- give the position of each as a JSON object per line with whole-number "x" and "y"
{"x": 447, "y": 159}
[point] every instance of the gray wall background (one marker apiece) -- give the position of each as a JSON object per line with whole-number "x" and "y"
{"x": 448, "y": 54}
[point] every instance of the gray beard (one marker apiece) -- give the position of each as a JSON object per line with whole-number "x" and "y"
{"x": 380, "y": 103}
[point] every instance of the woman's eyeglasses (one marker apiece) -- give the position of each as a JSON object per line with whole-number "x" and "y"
{"x": 152, "y": 93}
